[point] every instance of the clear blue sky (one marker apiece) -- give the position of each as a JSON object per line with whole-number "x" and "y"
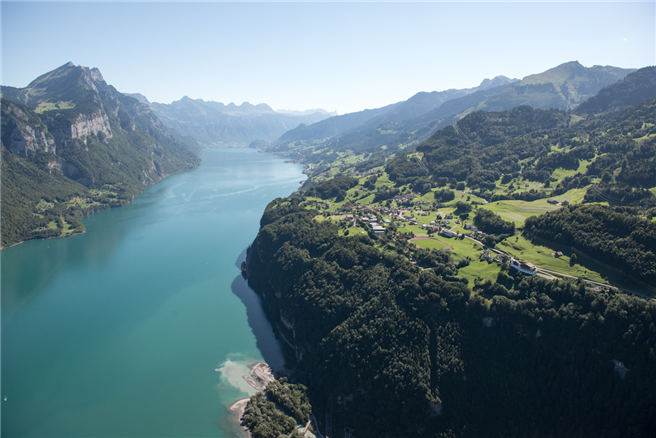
{"x": 342, "y": 57}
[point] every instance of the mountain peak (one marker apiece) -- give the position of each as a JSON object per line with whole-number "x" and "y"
{"x": 263, "y": 107}
{"x": 96, "y": 75}
{"x": 558, "y": 74}
{"x": 495, "y": 82}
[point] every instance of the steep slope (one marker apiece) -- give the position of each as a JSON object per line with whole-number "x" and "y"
{"x": 214, "y": 124}
{"x": 634, "y": 89}
{"x": 77, "y": 145}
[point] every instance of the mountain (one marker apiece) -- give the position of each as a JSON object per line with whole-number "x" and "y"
{"x": 391, "y": 126}
{"x": 634, "y": 89}
{"x": 406, "y": 124}
{"x": 306, "y": 112}
{"x": 71, "y": 145}
{"x": 562, "y": 87}
{"x": 332, "y": 126}
{"x": 214, "y": 124}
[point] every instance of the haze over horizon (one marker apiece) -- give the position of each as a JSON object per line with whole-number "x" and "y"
{"x": 339, "y": 57}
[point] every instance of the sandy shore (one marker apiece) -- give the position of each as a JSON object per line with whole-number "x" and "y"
{"x": 239, "y": 407}
{"x": 260, "y": 376}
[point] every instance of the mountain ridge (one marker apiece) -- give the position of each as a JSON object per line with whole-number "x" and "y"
{"x": 396, "y": 127}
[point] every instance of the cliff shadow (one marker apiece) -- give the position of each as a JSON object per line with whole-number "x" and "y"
{"x": 258, "y": 320}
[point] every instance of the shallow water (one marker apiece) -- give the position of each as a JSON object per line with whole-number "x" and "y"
{"x": 119, "y": 332}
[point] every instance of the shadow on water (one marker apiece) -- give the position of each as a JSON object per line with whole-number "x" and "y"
{"x": 258, "y": 320}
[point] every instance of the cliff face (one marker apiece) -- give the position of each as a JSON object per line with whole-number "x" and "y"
{"x": 23, "y": 134}
{"x": 72, "y": 114}
{"x": 85, "y": 125}
{"x": 281, "y": 320}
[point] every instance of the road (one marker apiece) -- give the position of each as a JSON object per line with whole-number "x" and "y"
{"x": 649, "y": 297}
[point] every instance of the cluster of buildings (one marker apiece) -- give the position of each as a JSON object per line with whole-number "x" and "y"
{"x": 365, "y": 173}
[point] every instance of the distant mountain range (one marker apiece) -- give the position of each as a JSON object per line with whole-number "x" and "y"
{"x": 213, "y": 124}
{"x": 379, "y": 126}
{"x": 72, "y": 144}
{"x": 385, "y": 130}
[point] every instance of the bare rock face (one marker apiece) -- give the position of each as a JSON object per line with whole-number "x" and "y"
{"x": 24, "y": 136}
{"x": 86, "y": 125}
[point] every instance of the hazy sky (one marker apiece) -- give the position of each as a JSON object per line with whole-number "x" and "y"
{"x": 338, "y": 56}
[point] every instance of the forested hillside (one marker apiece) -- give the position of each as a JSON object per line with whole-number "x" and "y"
{"x": 393, "y": 349}
{"x": 486, "y": 150}
{"x": 402, "y": 318}
{"x": 72, "y": 145}
{"x": 617, "y": 237}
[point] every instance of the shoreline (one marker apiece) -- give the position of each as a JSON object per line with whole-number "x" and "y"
{"x": 260, "y": 375}
{"x": 2, "y": 248}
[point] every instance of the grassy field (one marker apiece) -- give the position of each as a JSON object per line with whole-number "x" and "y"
{"x": 518, "y": 211}
{"x": 543, "y": 257}
{"x": 574, "y": 196}
{"x": 476, "y": 268}
{"x": 430, "y": 244}
{"x": 68, "y": 229}
{"x": 49, "y": 106}
{"x": 512, "y": 210}
{"x": 352, "y": 231}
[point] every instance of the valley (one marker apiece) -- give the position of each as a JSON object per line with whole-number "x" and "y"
{"x": 507, "y": 228}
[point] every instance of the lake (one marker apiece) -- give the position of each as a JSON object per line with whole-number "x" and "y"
{"x": 142, "y": 326}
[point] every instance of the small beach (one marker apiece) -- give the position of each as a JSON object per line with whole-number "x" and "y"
{"x": 260, "y": 375}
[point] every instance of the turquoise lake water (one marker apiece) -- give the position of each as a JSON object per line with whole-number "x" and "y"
{"x": 119, "y": 332}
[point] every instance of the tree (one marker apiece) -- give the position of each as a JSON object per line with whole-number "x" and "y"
{"x": 573, "y": 260}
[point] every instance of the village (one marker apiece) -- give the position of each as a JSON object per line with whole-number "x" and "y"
{"x": 423, "y": 221}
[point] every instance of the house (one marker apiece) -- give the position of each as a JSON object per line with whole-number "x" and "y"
{"x": 377, "y": 229}
{"x": 468, "y": 226}
{"x": 559, "y": 254}
{"x": 474, "y": 229}
{"x": 448, "y": 216}
{"x": 552, "y": 201}
{"x": 486, "y": 255}
{"x": 524, "y": 267}
{"x": 449, "y": 233}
